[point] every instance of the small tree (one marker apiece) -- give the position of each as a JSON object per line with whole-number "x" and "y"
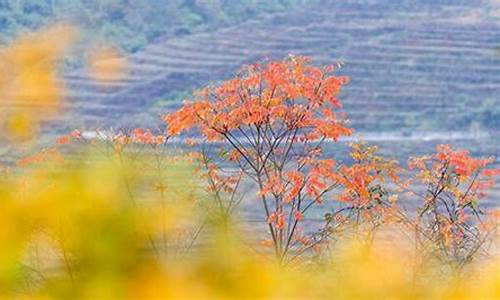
{"x": 275, "y": 119}
{"x": 368, "y": 201}
{"x": 451, "y": 225}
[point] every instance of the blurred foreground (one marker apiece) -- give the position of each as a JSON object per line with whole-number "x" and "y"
{"x": 133, "y": 226}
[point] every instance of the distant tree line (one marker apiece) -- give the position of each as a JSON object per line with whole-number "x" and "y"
{"x": 133, "y": 24}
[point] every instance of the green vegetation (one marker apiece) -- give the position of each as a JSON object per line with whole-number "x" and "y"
{"x": 133, "y": 24}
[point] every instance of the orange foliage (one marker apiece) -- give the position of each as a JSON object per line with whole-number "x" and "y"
{"x": 451, "y": 215}
{"x": 51, "y": 154}
{"x": 274, "y": 118}
{"x": 291, "y": 93}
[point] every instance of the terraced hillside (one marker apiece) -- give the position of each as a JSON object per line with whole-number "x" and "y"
{"x": 416, "y": 66}
{"x": 413, "y": 66}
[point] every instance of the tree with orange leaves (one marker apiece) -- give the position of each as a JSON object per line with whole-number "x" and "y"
{"x": 451, "y": 223}
{"x": 275, "y": 119}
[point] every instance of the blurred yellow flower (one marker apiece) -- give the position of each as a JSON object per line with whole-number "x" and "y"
{"x": 30, "y": 90}
{"x": 107, "y": 65}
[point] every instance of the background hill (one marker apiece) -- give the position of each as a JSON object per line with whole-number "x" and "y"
{"x": 415, "y": 65}
{"x": 133, "y": 24}
{"x": 423, "y": 72}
